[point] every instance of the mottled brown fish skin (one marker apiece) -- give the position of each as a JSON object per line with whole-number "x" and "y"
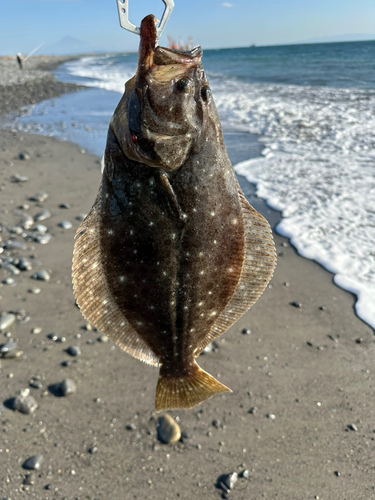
{"x": 171, "y": 253}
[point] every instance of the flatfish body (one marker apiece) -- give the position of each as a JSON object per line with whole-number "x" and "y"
{"x": 171, "y": 254}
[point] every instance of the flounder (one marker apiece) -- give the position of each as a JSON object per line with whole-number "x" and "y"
{"x": 171, "y": 254}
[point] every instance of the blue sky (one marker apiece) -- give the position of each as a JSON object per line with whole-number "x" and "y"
{"x": 213, "y": 24}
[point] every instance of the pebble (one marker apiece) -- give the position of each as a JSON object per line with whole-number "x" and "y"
{"x": 11, "y": 345}
{"x": 10, "y": 268}
{"x": 65, "y": 224}
{"x": 296, "y": 304}
{"x": 103, "y": 338}
{"x": 41, "y": 228}
{"x": 74, "y": 350}
{"x": 64, "y": 205}
{"x": 67, "y": 387}
{"x": 245, "y": 474}
{"x": 168, "y": 430}
{"x": 16, "y": 230}
{"x": 271, "y": 416}
{"x": 14, "y": 245}
{"x": 9, "y": 281}
{"x": 30, "y": 479}
{"x": 35, "y": 291}
{"x": 353, "y": 427}
{"x": 42, "y": 275}
{"x": 24, "y": 265}
{"x": 12, "y": 354}
{"x": 81, "y": 217}
{"x": 43, "y": 239}
{"x": 93, "y": 450}
{"x": 253, "y": 410}
{"x": 40, "y": 197}
{"x": 227, "y": 481}
{"x": 43, "y": 215}
{"x": 24, "y": 156}
{"x": 19, "y": 178}
{"x": 34, "y": 463}
{"x": 208, "y": 349}
{"x": 27, "y": 221}
{"x": 36, "y": 384}
{"x": 36, "y": 330}
{"x": 246, "y": 331}
{"x": 24, "y": 402}
{"x": 6, "y": 321}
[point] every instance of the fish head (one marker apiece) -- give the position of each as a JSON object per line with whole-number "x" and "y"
{"x": 165, "y": 110}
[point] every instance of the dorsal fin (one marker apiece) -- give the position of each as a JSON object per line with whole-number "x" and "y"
{"x": 93, "y": 294}
{"x": 259, "y": 264}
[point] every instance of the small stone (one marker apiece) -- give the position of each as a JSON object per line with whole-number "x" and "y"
{"x": 19, "y": 178}
{"x": 66, "y": 363}
{"x": 27, "y": 221}
{"x": 359, "y": 340}
{"x": 271, "y": 416}
{"x": 14, "y": 245}
{"x": 74, "y": 350}
{"x": 36, "y": 330}
{"x": 9, "y": 281}
{"x": 93, "y": 450}
{"x": 227, "y": 481}
{"x": 6, "y": 321}
{"x": 68, "y": 387}
{"x": 246, "y": 331}
{"x": 12, "y": 354}
{"x": 253, "y": 410}
{"x": 296, "y": 304}
{"x": 286, "y": 284}
{"x": 34, "y": 463}
{"x": 43, "y": 239}
{"x": 245, "y": 474}
{"x": 9, "y": 346}
{"x": 24, "y": 156}
{"x": 30, "y": 479}
{"x": 81, "y": 217}
{"x": 131, "y": 427}
{"x": 88, "y": 327}
{"x": 53, "y": 337}
{"x": 43, "y": 215}
{"x": 40, "y": 197}
{"x": 16, "y": 230}
{"x": 65, "y": 224}
{"x": 353, "y": 427}
{"x": 25, "y": 404}
{"x": 322, "y": 308}
{"x": 42, "y": 275}
{"x": 208, "y": 349}
{"x": 36, "y": 384}
{"x": 64, "y": 205}
{"x": 10, "y": 268}
{"x": 103, "y": 339}
{"x": 35, "y": 290}
{"x": 337, "y": 473}
{"x": 24, "y": 265}
{"x": 168, "y": 430}
{"x": 41, "y": 228}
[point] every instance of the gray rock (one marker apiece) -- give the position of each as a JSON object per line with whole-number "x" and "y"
{"x": 227, "y": 481}
{"x": 36, "y": 384}
{"x": 34, "y": 463}
{"x": 9, "y": 346}
{"x": 169, "y": 431}
{"x": 25, "y": 403}
{"x": 6, "y": 321}
{"x": 19, "y": 178}
{"x": 43, "y": 215}
{"x": 353, "y": 427}
{"x": 35, "y": 290}
{"x": 41, "y": 228}
{"x": 64, "y": 205}
{"x": 14, "y": 245}
{"x": 9, "y": 281}
{"x": 16, "y": 230}
{"x": 40, "y": 197}
{"x": 27, "y": 221}
{"x": 24, "y": 265}
{"x": 30, "y": 479}
{"x": 74, "y": 350}
{"x": 67, "y": 387}
{"x": 10, "y": 268}
{"x": 43, "y": 239}
{"x": 42, "y": 275}
{"x": 65, "y": 224}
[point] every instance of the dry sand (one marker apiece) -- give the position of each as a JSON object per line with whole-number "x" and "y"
{"x": 299, "y": 379}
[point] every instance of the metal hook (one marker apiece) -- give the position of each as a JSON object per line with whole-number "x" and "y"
{"x": 123, "y": 12}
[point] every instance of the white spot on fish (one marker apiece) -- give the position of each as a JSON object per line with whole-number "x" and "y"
{"x": 234, "y": 221}
{"x": 122, "y": 278}
{"x": 105, "y": 302}
{"x": 200, "y": 304}
{"x": 212, "y": 214}
{"x": 200, "y": 254}
{"x": 201, "y": 272}
{"x": 210, "y": 293}
{"x": 110, "y": 231}
{"x": 151, "y": 223}
{"x": 230, "y": 270}
{"x": 213, "y": 313}
{"x": 94, "y": 266}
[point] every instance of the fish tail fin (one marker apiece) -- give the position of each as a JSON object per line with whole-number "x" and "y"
{"x": 186, "y": 392}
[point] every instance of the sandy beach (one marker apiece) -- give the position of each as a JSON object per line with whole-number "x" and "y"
{"x": 301, "y": 419}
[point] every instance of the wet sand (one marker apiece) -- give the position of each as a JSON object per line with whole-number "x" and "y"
{"x": 300, "y": 379}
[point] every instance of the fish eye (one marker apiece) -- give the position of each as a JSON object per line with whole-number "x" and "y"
{"x": 182, "y": 85}
{"x": 206, "y": 93}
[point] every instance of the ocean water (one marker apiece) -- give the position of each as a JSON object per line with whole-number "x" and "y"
{"x": 313, "y": 109}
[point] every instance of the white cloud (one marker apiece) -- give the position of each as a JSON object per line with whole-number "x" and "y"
{"x": 225, "y": 4}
